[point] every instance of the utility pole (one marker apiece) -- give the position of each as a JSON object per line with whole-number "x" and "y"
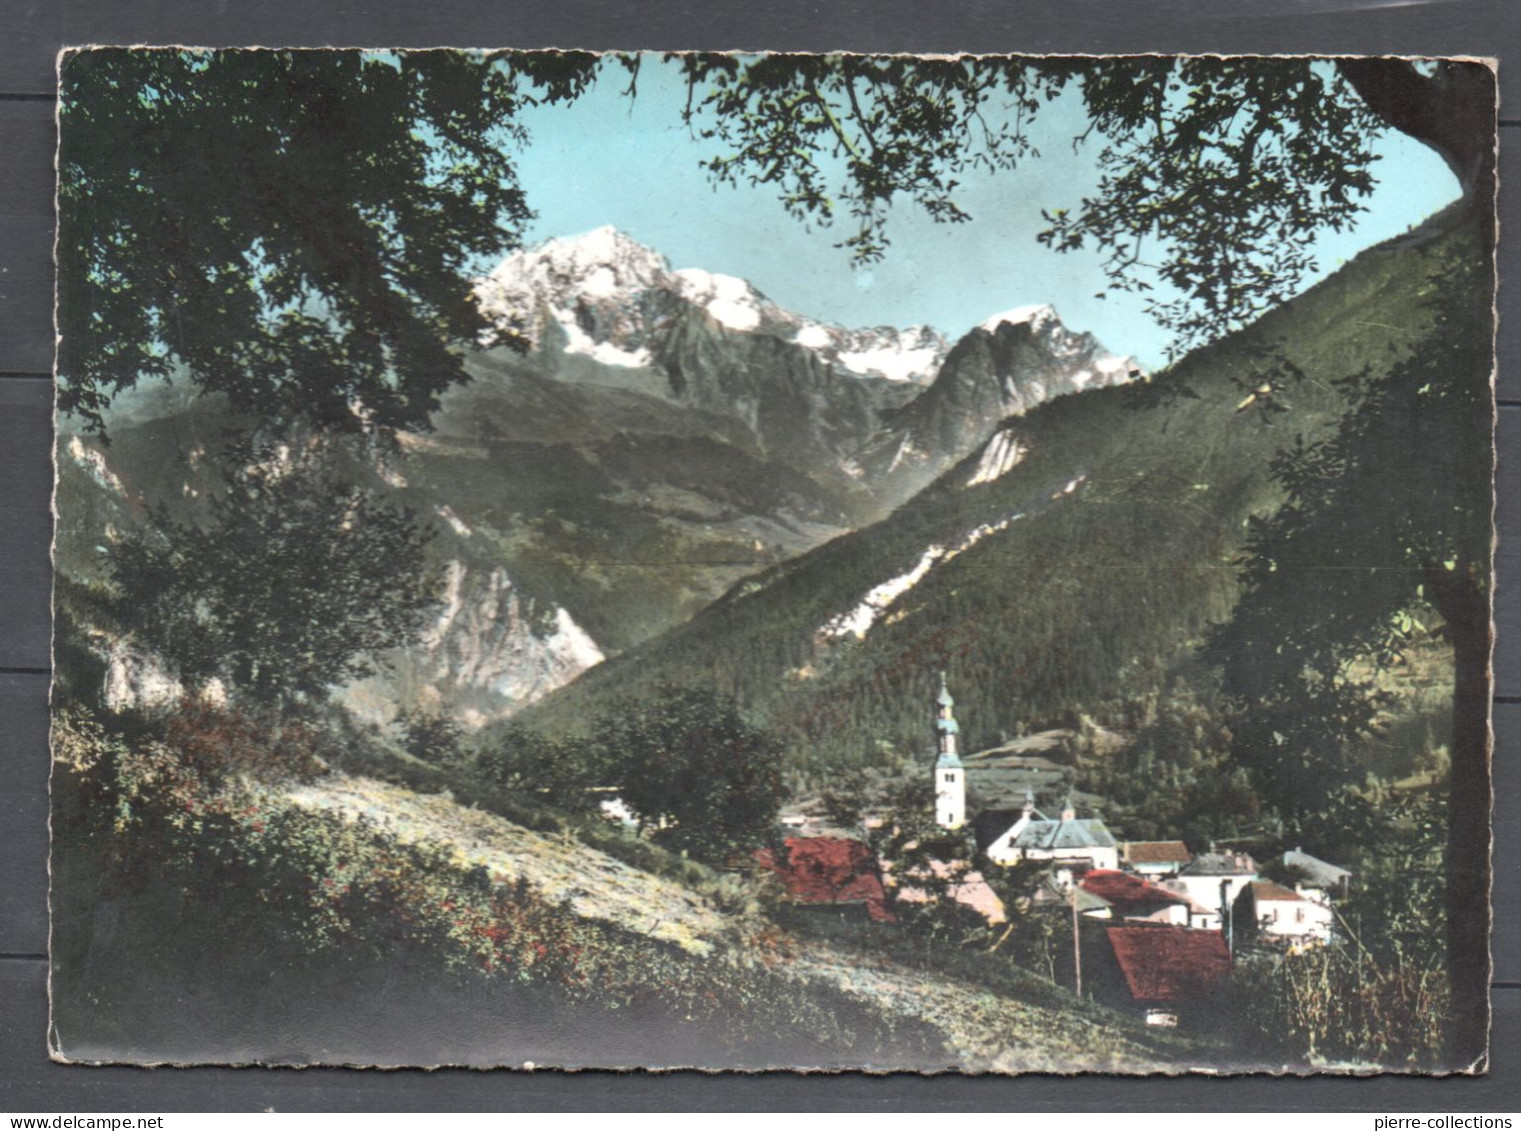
{"x": 1077, "y": 944}
{"x": 1227, "y": 916}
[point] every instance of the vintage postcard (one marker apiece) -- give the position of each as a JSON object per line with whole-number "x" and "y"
{"x": 968, "y": 564}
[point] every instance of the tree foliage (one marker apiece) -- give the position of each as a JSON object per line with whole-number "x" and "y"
{"x": 293, "y": 229}
{"x": 430, "y": 735}
{"x": 1404, "y": 484}
{"x": 292, "y": 585}
{"x": 701, "y": 779}
{"x": 1216, "y": 175}
{"x": 529, "y": 762}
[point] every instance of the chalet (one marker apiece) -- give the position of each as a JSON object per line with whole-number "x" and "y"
{"x": 1213, "y": 880}
{"x": 1154, "y": 857}
{"x": 828, "y": 872}
{"x": 1167, "y": 973}
{"x": 1273, "y": 914}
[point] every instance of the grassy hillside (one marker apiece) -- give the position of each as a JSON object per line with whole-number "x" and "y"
{"x": 204, "y": 913}
{"x": 1102, "y": 555}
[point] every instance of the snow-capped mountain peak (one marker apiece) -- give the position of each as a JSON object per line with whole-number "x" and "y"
{"x": 1037, "y": 316}
{"x": 600, "y": 264}
{"x": 605, "y": 296}
{"x": 594, "y": 285}
{"x": 729, "y": 301}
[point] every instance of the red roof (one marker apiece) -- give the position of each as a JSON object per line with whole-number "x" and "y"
{"x": 1156, "y": 852}
{"x": 1171, "y": 963}
{"x": 1127, "y": 892}
{"x": 827, "y": 869}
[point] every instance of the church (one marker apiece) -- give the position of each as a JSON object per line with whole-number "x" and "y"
{"x": 1074, "y": 845}
{"x": 950, "y": 774}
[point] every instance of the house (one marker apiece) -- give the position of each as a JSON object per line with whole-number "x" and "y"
{"x": 1273, "y": 914}
{"x": 1049, "y": 896}
{"x": 1213, "y": 880}
{"x": 1166, "y": 973}
{"x": 829, "y": 872}
{"x": 1154, "y": 857}
{"x": 1313, "y": 874}
{"x": 1073, "y": 845}
{"x": 1132, "y": 898}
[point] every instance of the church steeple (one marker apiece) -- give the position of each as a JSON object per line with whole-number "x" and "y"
{"x": 947, "y": 730}
{"x": 950, "y": 776}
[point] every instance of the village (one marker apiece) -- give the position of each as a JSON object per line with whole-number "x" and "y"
{"x": 1151, "y": 928}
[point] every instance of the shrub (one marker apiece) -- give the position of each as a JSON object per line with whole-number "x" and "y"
{"x": 218, "y": 742}
{"x": 1340, "y": 1005}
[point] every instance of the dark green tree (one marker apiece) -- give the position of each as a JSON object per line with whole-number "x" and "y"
{"x": 1032, "y": 935}
{"x": 293, "y": 229}
{"x": 1386, "y": 522}
{"x": 430, "y": 735}
{"x": 565, "y": 773}
{"x": 292, "y": 584}
{"x": 700, "y": 778}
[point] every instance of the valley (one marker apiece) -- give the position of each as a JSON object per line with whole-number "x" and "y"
{"x": 666, "y": 435}
{"x": 700, "y": 562}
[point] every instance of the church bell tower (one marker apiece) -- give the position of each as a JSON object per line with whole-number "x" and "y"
{"x": 950, "y": 775}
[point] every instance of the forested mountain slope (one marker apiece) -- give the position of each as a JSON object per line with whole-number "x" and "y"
{"x": 665, "y": 435}
{"x": 1066, "y": 567}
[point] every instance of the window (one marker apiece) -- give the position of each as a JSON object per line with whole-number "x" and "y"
{"x": 950, "y": 776}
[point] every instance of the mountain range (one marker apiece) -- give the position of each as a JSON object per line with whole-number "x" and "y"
{"x": 877, "y": 411}
{"x": 1063, "y": 568}
{"x": 634, "y": 441}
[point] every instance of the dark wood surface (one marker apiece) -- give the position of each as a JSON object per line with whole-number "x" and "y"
{"x": 31, "y": 32}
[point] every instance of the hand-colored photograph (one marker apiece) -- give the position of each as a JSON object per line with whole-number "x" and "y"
{"x": 967, "y": 564}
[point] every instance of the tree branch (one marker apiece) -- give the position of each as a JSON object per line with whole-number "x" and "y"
{"x": 1453, "y": 111}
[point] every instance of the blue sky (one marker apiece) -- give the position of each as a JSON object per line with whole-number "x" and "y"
{"x": 605, "y": 160}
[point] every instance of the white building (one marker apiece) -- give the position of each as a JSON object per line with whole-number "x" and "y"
{"x": 1213, "y": 880}
{"x": 1273, "y": 913}
{"x": 1075, "y": 845}
{"x": 950, "y": 774}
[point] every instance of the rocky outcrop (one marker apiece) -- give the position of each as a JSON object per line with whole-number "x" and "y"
{"x": 888, "y": 408}
{"x": 1002, "y": 368}
{"x": 490, "y": 652}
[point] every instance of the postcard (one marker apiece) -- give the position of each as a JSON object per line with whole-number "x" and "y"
{"x": 760, "y": 561}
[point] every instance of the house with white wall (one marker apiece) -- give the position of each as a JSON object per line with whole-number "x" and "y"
{"x": 1153, "y": 858}
{"x": 1213, "y": 880}
{"x": 1074, "y": 845}
{"x": 1271, "y": 913}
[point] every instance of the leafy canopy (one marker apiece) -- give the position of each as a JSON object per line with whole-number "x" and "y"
{"x": 700, "y": 778}
{"x": 1404, "y": 484}
{"x": 1216, "y": 175}
{"x": 296, "y": 580}
{"x": 290, "y": 228}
